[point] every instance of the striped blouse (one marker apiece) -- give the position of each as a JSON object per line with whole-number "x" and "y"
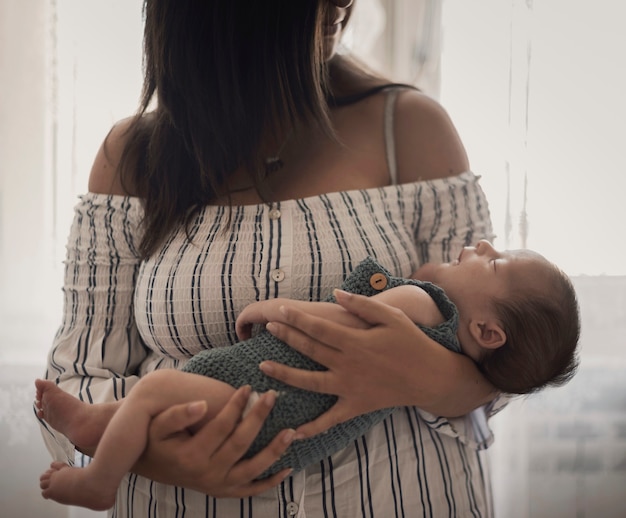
{"x": 125, "y": 317}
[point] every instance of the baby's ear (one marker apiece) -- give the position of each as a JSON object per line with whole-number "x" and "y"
{"x": 488, "y": 333}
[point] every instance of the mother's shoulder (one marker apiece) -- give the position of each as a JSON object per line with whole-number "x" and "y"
{"x": 105, "y": 176}
{"x": 427, "y": 143}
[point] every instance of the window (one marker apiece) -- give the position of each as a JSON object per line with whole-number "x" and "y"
{"x": 536, "y": 90}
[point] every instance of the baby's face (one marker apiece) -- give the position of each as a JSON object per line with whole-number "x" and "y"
{"x": 482, "y": 273}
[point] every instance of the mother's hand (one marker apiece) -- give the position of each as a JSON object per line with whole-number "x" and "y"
{"x": 209, "y": 461}
{"x": 393, "y": 363}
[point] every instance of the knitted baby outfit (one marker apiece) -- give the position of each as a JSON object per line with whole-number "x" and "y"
{"x": 238, "y": 365}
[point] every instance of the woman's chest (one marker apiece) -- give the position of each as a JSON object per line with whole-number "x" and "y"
{"x": 188, "y": 296}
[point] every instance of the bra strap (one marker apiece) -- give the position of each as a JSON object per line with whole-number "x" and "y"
{"x": 390, "y": 143}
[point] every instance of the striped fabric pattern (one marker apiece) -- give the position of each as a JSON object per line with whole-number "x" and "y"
{"x": 124, "y": 317}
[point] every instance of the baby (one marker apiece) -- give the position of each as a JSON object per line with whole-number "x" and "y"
{"x": 513, "y": 312}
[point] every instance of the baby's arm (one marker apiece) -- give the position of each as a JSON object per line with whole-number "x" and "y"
{"x": 268, "y": 310}
{"x": 412, "y": 300}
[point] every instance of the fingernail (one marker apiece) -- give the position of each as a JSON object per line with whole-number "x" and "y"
{"x": 341, "y": 294}
{"x": 267, "y": 368}
{"x": 271, "y": 327}
{"x": 269, "y": 398}
{"x": 196, "y": 408}
{"x": 289, "y": 436}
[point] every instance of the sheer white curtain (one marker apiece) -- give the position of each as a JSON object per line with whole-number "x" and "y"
{"x": 68, "y": 70}
{"x": 536, "y": 89}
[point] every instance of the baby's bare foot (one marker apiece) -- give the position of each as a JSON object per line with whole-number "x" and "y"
{"x": 73, "y": 486}
{"x": 76, "y": 420}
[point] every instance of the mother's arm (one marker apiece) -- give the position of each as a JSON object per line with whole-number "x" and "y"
{"x": 391, "y": 364}
{"x": 98, "y": 354}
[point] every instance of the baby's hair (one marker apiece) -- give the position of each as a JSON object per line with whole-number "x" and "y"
{"x": 543, "y": 330}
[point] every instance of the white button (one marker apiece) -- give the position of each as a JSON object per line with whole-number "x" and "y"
{"x": 292, "y": 508}
{"x": 274, "y": 214}
{"x": 278, "y": 275}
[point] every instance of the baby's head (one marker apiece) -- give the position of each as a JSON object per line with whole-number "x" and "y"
{"x": 518, "y": 315}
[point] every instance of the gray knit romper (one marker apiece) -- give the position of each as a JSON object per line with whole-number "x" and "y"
{"x": 238, "y": 365}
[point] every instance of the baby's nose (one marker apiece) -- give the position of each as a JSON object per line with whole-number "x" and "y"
{"x": 484, "y": 247}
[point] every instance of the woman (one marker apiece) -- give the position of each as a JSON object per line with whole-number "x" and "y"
{"x": 269, "y": 167}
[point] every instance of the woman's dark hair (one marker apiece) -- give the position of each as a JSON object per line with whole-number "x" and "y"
{"x": 542, "y": 337}
{"x": 224, "y": 74}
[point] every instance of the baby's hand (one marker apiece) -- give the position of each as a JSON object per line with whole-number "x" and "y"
{"x": 260, "y": 312}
